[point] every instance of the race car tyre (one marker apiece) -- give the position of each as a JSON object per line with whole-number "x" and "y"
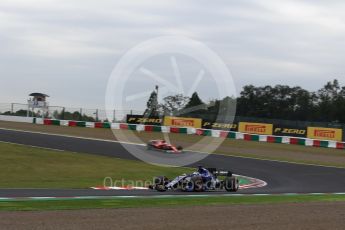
{"x": 160, "y": 183}
{"x": 198, "y": 184}
{"x": 229, "y": 174}
{"x": 179, "y": 148}
{"x": 194, "y": 184}
{"x": 166, "y": 148}
{"x": 187, "y": 186}
{"x": 231, "y": 184}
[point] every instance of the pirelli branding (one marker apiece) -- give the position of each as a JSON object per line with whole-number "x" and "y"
{"x": 182, "y": 122}
{"x": 325, "y": 133}
{"x": 256, "y": 128}
{"x": 139, "y": 119}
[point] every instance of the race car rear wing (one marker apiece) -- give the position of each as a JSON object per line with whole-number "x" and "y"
{"x": 216, "y": 172}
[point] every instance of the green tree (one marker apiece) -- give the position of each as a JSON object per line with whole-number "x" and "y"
{"x": 173, "y": 105}
{"x": 220, "y": 110}
{"x": 195, "y": 107}
{"x": 194, "y": 101}
{"x": 280, "y": 101}
{"x": 329, "y": 98}
{"x": 152, "y": 106}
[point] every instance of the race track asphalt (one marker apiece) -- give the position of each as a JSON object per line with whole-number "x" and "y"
{"x": 281, "y": 177}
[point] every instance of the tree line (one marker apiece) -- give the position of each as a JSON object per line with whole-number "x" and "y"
{"x": 273, "y": 102}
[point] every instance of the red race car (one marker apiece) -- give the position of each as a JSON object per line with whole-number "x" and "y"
{"x": 162, "y": 145}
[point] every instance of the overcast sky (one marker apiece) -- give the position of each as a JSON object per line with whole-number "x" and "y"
{"x": 68, "y": 49}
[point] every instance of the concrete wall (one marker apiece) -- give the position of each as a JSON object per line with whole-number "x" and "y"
{"x": 16, "y": 118}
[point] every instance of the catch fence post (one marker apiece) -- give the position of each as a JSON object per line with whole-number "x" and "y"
{"x": 63, "y": 113}
{"x": 28, "y": 111}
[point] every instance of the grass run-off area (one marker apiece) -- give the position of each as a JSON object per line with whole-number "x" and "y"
{"x": 67, "y": 204}
{"x": 31, "y": 167}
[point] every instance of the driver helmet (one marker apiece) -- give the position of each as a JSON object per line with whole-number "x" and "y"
{"x": 201, "y": 169}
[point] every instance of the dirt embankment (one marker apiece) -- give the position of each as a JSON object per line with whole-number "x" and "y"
{"x": 245, "y": 217}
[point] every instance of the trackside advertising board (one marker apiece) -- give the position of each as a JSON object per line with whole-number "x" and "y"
{"x": 325, "y": 133}
{"x": 256, "y": 128}
{"x": 140, "y": 119}
{"x": 182, "y": 122}
{"x": 221, "y": 126}
{"x": 289, "y": 131}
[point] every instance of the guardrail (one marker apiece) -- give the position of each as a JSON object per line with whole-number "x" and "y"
{"x": 64, "y": 112}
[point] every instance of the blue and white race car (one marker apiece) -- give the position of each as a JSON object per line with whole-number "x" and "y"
{"x": 205, "y": 179}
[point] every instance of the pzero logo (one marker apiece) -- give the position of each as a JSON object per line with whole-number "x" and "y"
{"x": 324, "y": 133}
{"x": 294, "y": 131}
{"x": 174, "y": 66}
{"x": 210, "y": 125}
{"x": 182, "y": 122}
{"x": 145, "y": 120}
{"x": 255, "y": 128}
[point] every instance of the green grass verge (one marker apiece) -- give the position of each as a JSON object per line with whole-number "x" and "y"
{"x": 29, "y": 167}
{"x": 284, "y": 159}
{"x": 162, "y": 202}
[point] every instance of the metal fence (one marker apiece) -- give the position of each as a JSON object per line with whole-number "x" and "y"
{"x": 67, "y": 113}
{"x": 83, "y": 114}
